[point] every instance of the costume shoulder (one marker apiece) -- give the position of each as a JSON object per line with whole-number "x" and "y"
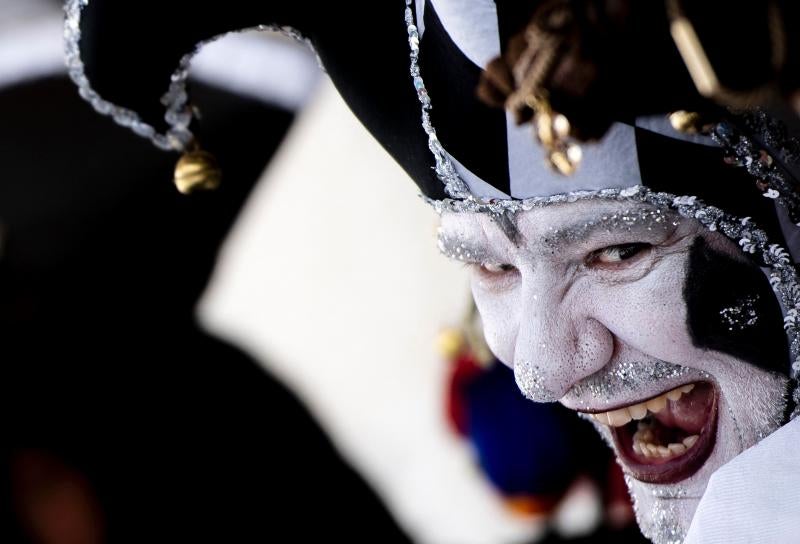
{"x": 753, "y": 498}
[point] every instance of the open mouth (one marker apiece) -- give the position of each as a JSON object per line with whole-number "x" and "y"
{"x": 667, "y": 438}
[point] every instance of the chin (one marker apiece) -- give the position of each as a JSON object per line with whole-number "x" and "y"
{"x": 672, "y": 435}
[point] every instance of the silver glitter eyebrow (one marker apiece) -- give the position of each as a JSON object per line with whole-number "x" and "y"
{"x": 556, "y": 239}
{"x": 457, "y": 249}
{"x": 650, "y": 219}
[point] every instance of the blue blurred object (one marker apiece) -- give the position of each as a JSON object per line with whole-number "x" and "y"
{"x": 525, "y": 448}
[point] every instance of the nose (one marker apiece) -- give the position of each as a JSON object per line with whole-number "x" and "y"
{"x": 560, "y": 340}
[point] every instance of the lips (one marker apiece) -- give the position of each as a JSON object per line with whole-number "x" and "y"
{"x": 667, "y": 438}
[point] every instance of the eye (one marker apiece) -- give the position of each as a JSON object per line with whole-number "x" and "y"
{"x": 494, "y": 276}
{"x": 495, "y": 268}
{"x": 614, "y": 255}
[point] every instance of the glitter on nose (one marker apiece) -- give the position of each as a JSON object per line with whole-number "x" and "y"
{"x": 530, "y": 380}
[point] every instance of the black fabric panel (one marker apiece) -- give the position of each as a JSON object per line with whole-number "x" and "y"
{"x": 791, "y": 73}
{"x": 131, "y": 49}
{"x": 715, "y": 281}
{"x": 471, "y": 131}
{"x": 738, "y": 34}
{"x": 683, "y": 168}
{"x": 366, "y": 54}
{"x": 512, "y": 17}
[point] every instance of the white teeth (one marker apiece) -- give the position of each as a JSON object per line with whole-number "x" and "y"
{"x": 675, "y": 394}
{"x": 602, "y": 418}
{"x": 618, "y": 418}
{"x": 638, "y": 411}
{"x": 657, "y": 404}
{"x": 677, "y": 449}
{"x": 644, "y": 442}
{"x": 643, "y": 445}
{"x": 644, "y": 437}
{"x": 621, "y": 416}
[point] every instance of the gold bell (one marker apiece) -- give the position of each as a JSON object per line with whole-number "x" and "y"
{"x": 558, "y": 161}
{"x": 689, "y": 122}
{"x": 553, "y": 130}
{"x": 197, "y": 170}
{"x": 565, "y": 159}
{"x": 544, "y": 129}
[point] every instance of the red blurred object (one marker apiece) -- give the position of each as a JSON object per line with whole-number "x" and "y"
{"x": 465, "y": 368}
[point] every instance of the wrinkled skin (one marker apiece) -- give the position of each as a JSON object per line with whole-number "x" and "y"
{"x": 572, "y": 303}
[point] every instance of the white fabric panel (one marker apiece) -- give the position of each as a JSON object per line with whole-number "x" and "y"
{"x": 270, "y": 68}
{"x": 419, "y": 13}
{"x": 611, "y": 163}
{"x": 753, "y": 498}
{"x": 472, "y": 26}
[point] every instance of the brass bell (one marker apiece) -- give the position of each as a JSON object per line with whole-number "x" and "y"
{"x": 689, "y": 122}
{"x": 544, "y": 129}
{"x": 559, "y": 161}
{"x": 553, "y": 130}
{"x": 561, "y": 126}
{"x": 565, "y": 159}
{"x": 197, "y": 170}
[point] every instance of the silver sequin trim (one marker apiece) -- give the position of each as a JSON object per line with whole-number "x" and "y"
{"x": 454, "y": 186}
{"x": 775, "y": 181}
{"x": 179, "y": 112}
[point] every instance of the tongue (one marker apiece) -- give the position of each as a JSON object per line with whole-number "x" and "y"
{"x": 690, "y": 412}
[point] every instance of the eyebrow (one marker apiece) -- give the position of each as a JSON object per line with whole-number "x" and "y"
{"x": 453, "y": 247}
{"x": 628, "y": 220}
{"x": 456, "y": 248}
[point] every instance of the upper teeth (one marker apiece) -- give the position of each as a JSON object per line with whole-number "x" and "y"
{"x": 622, "y": 416}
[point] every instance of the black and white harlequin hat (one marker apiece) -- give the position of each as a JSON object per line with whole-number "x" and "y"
{"x": 131, "y": 61}
{"x": 409, "y": 71}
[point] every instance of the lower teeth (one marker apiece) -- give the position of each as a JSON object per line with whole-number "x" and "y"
{"x": 643, "y": 444}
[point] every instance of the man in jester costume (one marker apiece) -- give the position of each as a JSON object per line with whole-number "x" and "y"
{"x": 633, "y": 258}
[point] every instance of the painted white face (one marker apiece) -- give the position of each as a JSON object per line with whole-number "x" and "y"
{"x": 588, "y": 305}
